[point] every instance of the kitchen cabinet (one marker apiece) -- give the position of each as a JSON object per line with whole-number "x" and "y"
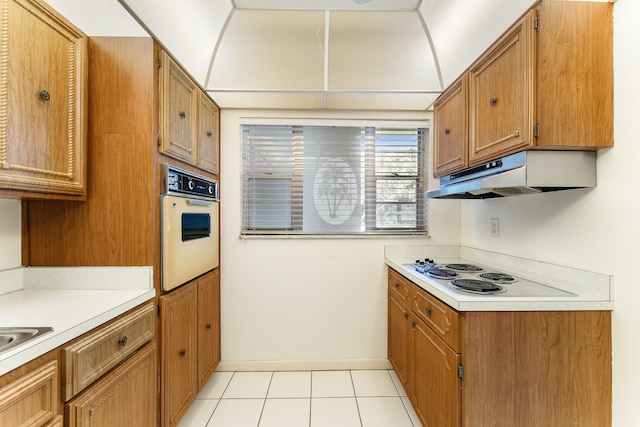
{"x": 209, "y": 136}
{"x": 43, "y": 78}
{"x": 504, "y": 368}
{"x": 399, "y": 329}
{"x": 179, "y": 100}
{"x": 547, "y": 83}
{"x": 31, "y": 398}
{"x": 126, "y": 396}
{"x": 450, "y": 129}
{"x": 94, "y": 354}
{"x": 190, "y": 348}
{"x": 189, "y": 119}
{"x": 208, "y": 325}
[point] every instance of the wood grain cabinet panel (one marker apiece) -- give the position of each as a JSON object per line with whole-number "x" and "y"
{"x": 208, "y": 325}
{"x": 209, "y": 135}
{"x": 179, "y": 317}
{"x": 43, "y": 76}
{"x": 451, "y": 145}
{"x": 124, "y": 397}
{"x": 179, "y": 100}
{"x": 32, "y": 399}
{"x": 93, "y": 355}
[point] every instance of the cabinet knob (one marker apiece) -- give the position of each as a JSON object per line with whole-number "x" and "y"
{"x": 493, "y": 101}
{"x": 413, "y": 324}
{"x": 428, "y": 311}
{"x": 122, "y": 341}
{"x": 406, "y": 315}
{"x": 397, "y": 285}
{"x": 209, "y": 133}
{"x": 209, "y": 325}
{"x": 44, "y": 95}
{"x": 447, "y": 131}
{"x": 183, "y": 114}
{"x": 183, "y": 352}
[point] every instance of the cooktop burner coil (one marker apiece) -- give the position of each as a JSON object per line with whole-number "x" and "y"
{"x": 498, "y": 277}
{"x": 476, "y": 286}
{"x": 441, "y": 273}
{"x": 465, "y": 267}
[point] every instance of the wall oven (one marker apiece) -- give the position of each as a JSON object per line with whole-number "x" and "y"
{"x": 190, "y": 226}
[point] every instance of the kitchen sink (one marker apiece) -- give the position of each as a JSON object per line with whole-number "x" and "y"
{"x": 13, "y": 336}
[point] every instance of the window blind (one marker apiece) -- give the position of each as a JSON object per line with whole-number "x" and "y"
{"x": 332, "y": 180}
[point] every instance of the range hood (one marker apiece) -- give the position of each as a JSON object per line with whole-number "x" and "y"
{"x": 526, "y": 172}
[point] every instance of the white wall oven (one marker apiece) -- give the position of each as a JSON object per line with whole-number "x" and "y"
{"x": 190, "y": 226}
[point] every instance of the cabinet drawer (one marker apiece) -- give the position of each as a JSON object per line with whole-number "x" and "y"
{"x": 95, "y": 354}
{"x": 441, "y": 318}
{"x": 399, "y": 287}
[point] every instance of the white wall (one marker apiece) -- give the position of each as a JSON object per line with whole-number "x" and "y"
{"x": 304, "y": 299}
{"x": 10, "y": 234}
{"x": 595, "y": 230}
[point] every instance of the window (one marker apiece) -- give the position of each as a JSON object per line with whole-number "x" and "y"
{"x": 330, "y": 180}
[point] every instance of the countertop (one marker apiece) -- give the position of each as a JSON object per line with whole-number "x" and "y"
{"x": 589, "y": 290}
{"x": 70, "y": 300}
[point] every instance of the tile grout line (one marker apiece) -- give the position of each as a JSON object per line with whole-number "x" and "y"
{"x": 355, "y": 397}
{"x": 220, "y": 399}
{"x": 401, "y": 399}
{"x": 264, "y": 402}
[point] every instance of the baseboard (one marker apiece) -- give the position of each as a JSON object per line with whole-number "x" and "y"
{"x": 302, "y": 365}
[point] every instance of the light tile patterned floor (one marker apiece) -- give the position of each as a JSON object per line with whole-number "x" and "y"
{"x": 371, "y": 398}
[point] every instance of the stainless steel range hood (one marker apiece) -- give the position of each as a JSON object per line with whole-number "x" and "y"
{"x": 526, "y": 172}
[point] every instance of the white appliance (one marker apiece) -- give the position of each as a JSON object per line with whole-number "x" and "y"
{"x": 190, "y": 226}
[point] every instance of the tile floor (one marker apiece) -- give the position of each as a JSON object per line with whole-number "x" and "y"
{"x": 359, "y": 398}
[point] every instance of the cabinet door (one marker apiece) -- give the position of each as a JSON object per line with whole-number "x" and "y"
{"x": 32, "y": 399}
{"x": 178, "y": 311}
{"x": 124, "y": 397}
{"x": 209, "y": 149}
{"x": 398, "y": 339}
{"x": 208, "y": 325}
{"x": 43, "y": 76}
{"x": 435, "y": 386}
{"x": 501, "y": 95}
{"x": 179, "y": 101}
{"x": 451, "y": 144}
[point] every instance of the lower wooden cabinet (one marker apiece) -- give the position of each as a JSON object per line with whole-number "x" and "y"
{"x": 32, "y": 398}
{"x": 501, "y": 369}
{"x": 124, "y": 397}
{"x": 190, "y": 336}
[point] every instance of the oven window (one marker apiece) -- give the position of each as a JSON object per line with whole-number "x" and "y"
{"x": 195, "y": 226}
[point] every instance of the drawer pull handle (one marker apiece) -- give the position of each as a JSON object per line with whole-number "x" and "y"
{"x": 183, "y": 114}
{"x": 209, "y": 325}
{"x": 493, "y": 101}
{"x": 209, "y": 133}
{"x": 183, "y": 352}
{"x": 44, "y": 95}
{"x": 406, "y": 315}
{"x": 428, "y": 311}
{"x": 122, "y": 341}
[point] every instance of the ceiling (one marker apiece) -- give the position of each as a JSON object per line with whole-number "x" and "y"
{"x": 311, "y": 54}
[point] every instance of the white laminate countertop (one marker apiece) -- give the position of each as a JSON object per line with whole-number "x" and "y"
{"x": 71, "y": 300}
{"x": 589, "y": 290}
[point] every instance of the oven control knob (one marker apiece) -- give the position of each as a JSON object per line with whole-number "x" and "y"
{"x": 210, "y": 189}
{"x": 190, "y": 184}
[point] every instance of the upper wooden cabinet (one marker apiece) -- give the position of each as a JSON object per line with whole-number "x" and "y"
{"x": 179, "y": 101}
{"x": 189, "y": 126}
{"x": 450, "y": 129}
{"x": 209, "y": 136}
{"x": 547, "y": 83}
{"x": 43, "y": 75}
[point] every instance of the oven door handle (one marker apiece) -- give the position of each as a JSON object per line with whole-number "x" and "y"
{"x": 196, "y": 202}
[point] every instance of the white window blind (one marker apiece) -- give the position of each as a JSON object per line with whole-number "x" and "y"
{"x": 331, "y": 180}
